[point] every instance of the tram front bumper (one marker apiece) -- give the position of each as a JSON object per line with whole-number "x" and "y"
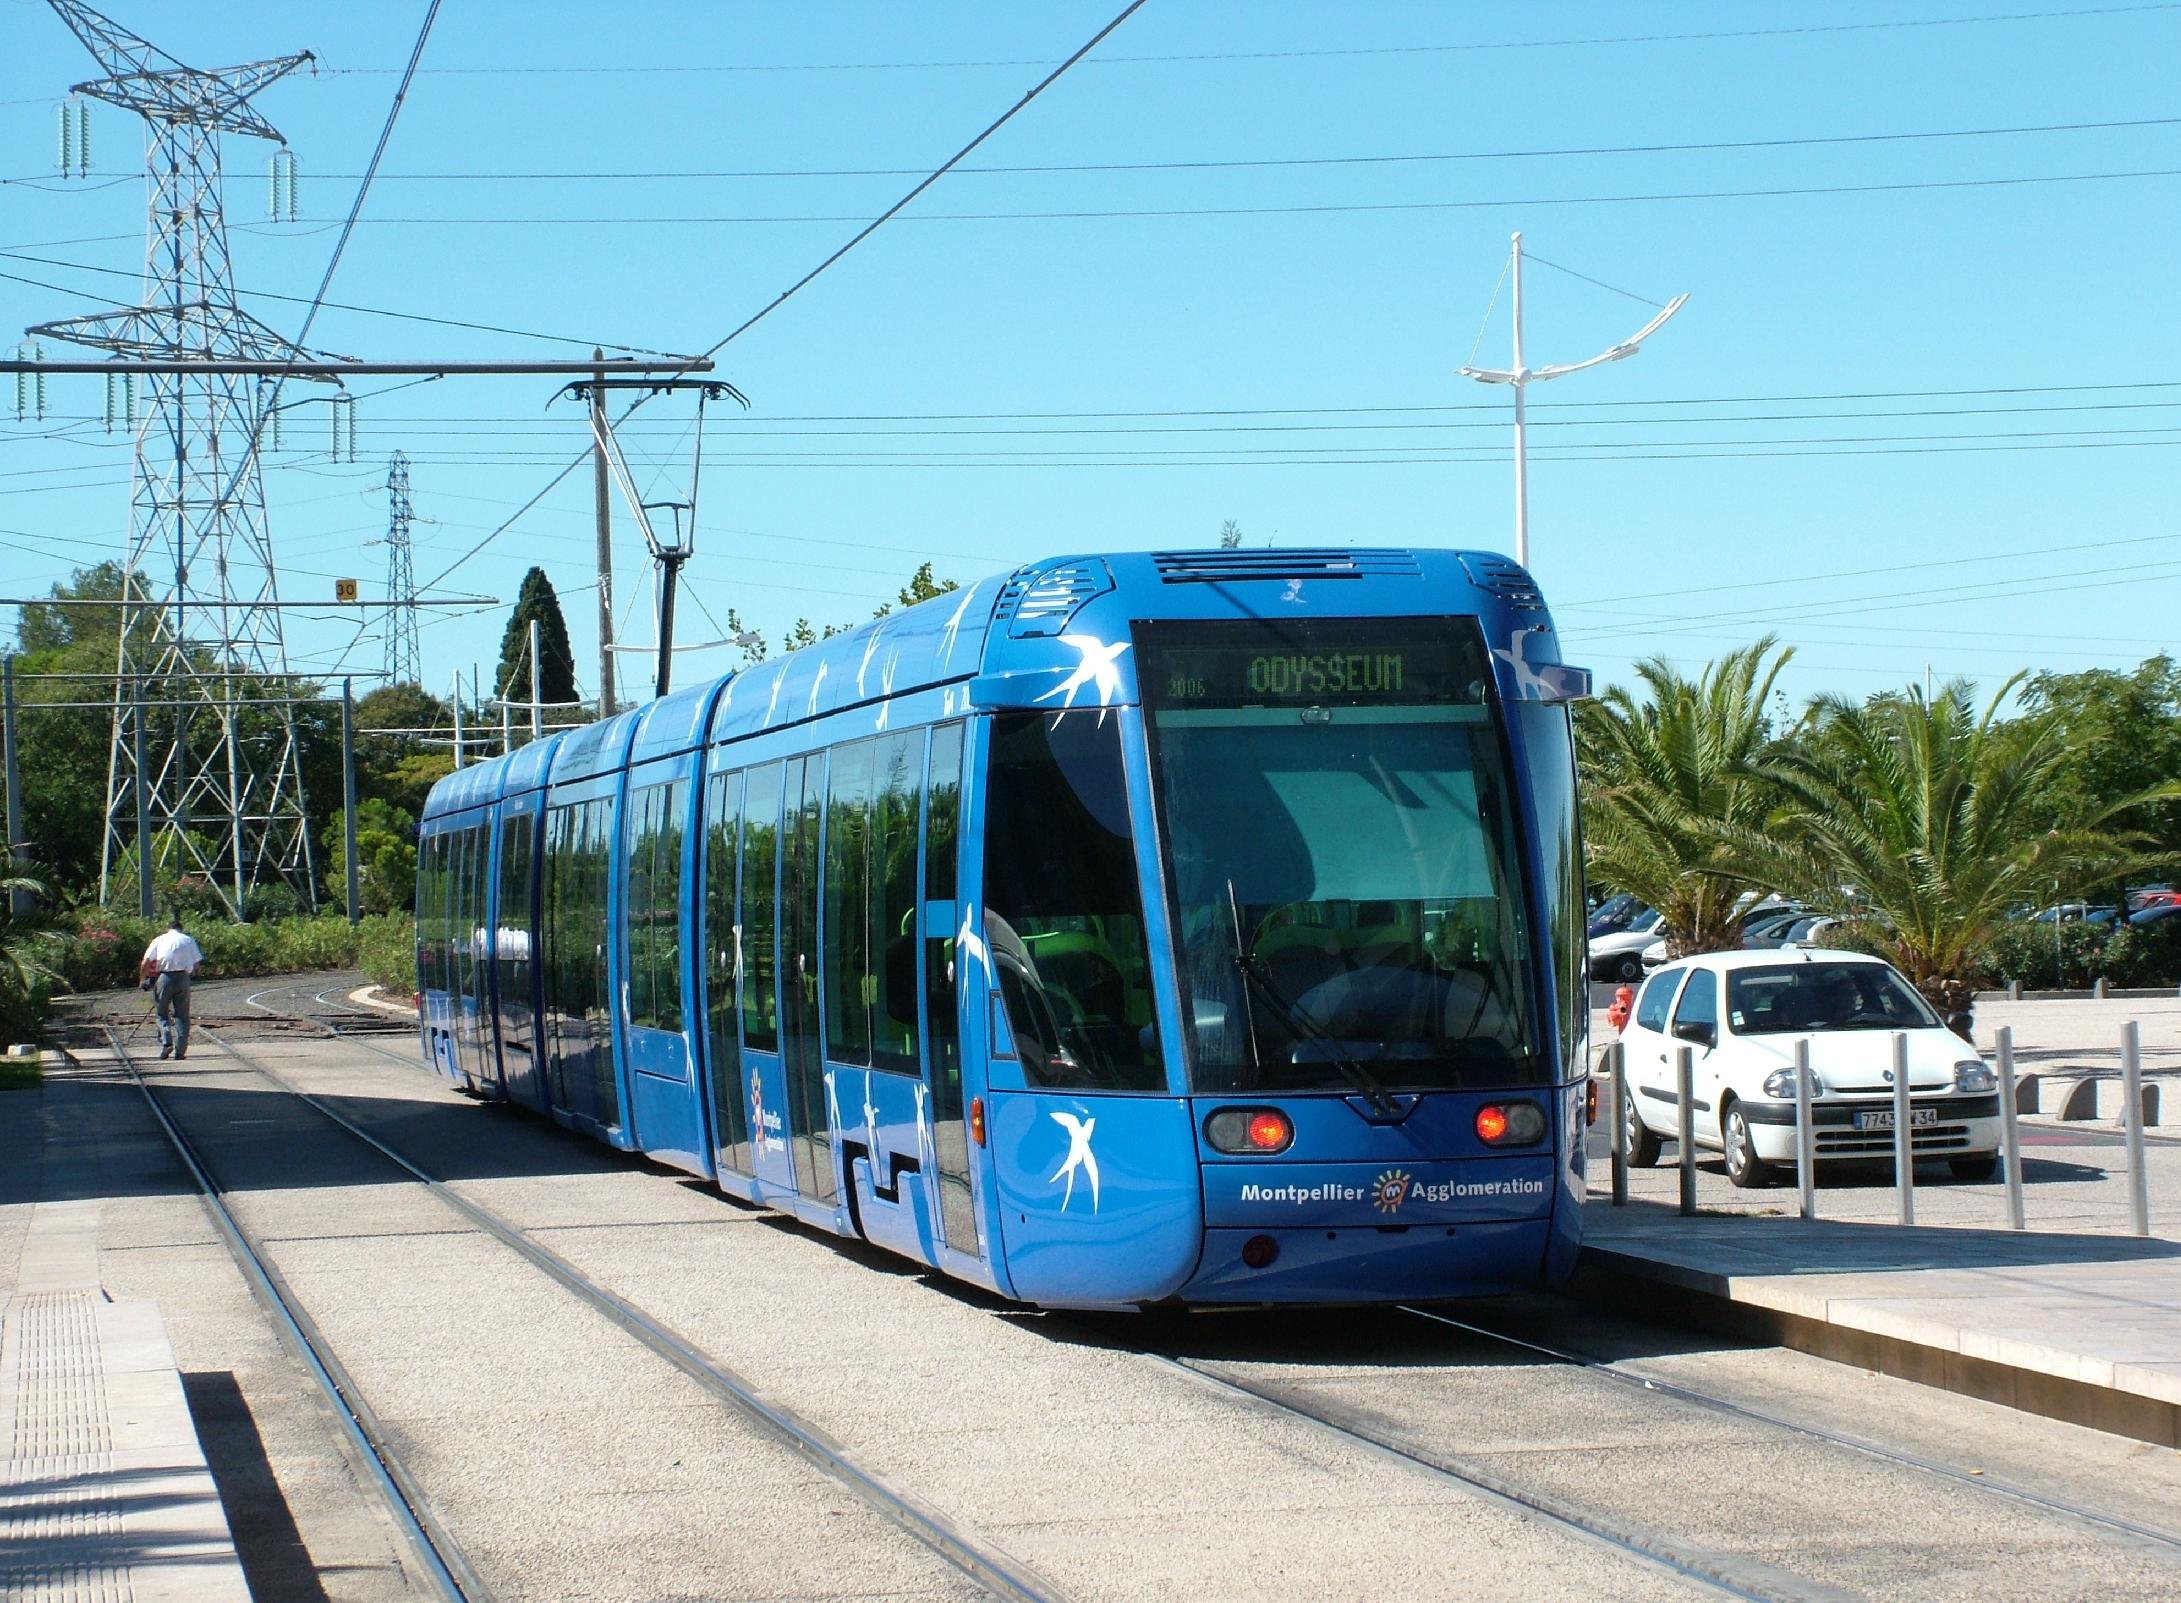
{"x": 1369, "y": 1263}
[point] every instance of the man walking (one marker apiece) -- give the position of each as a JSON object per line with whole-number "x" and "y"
{"x": 168, "y": 963}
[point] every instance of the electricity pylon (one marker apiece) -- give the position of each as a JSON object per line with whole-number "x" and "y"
{"x": 404, "y": 658}
{"x": 202, "y": 718}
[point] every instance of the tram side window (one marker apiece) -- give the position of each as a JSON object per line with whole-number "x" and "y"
{"x": 511, "y": 933}
{"x": 475, "y": 930}
{"x": 847, "y": 904}
{"x": 760, "y": 940}
{"x": 457, "y": 854}
{"x": 723, "y": 964}
{"x": 655, "y": 862}
{"x": 427, "y": 913}
{"x": 942, "y": 830}
{"x": 1063, "y": 915}
{"x": 894, "y": 821}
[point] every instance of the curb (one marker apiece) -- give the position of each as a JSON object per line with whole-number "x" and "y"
{"x": 368, "y": 996}
{"x": 1707, "y": 1300}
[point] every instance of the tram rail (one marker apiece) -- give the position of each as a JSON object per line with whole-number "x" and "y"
{"x": 994, "y": 1572}
{"x": 439, "y": 1559}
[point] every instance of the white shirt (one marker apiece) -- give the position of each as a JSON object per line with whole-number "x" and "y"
{"x": 174, "y": 953}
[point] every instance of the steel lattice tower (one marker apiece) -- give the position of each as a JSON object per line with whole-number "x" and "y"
{"x": 201, "y": 716}
{"x": 404, "y": 658}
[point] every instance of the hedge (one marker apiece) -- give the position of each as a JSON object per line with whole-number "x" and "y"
{"x": 105, "y": 950}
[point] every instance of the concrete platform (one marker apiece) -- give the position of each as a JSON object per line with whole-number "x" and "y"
{"x": 2085, "y": 1328}
{"x": 104, "y": 1490}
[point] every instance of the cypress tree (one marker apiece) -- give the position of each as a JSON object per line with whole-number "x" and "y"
{"x": 556, "y": 661}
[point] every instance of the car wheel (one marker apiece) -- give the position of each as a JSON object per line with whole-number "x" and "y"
{"x": 1629, "y": 968}
{"x": 1974, "y": 1168}
{"x": 1642, "y": 1145}
{"x": 1744, "y": 1167}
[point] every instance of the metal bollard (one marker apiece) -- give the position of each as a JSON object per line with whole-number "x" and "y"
{"x": 1685, "y": 1128}
{"x": 2010, "y": 1135}
{"x": 1904, "y": 1139}
{"x": 2131, "y": 1118}
{"x": 1805, "y": 1132}
{"x": 1617, "y": 1061}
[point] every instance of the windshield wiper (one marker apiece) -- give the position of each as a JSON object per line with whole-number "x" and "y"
{"x": 1305, "y": 1028}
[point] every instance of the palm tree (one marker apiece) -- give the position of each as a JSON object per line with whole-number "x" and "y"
{"x": 1671, "y": 789}
{"x": 1931, "y": 823}
{"x": 27, "y": 955}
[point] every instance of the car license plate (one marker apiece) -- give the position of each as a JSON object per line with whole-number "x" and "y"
{"x": 1882, "y": 1118}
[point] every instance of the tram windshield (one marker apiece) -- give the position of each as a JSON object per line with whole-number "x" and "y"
{"x": 1342, "y": 858}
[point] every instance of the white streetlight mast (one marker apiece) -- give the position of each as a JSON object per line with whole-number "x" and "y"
{"x": 1521, "y": 378}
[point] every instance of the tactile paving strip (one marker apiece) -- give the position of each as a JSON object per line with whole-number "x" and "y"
{"x": 56, "y": 1485}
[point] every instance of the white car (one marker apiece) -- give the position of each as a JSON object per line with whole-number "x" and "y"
{"x": 1741, "y": 1013}
{"x": 1619, "y": 955}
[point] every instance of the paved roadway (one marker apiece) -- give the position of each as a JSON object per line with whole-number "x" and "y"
{"x": 570, "y": 1462}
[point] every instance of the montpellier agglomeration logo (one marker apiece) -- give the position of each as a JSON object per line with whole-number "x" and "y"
{"x": 1390, "y": 1190}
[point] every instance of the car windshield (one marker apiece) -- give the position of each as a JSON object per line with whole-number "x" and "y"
{"x": 1341, "y": 856}
{"x": 1795, "y": 997}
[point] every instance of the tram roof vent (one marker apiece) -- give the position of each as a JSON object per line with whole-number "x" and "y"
{"x": 1040, "y": 601}
{"x": 1332, "y": 562}
{"x": 1503, "y": 577}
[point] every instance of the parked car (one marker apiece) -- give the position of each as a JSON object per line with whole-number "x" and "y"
{"x": 2156, "y": 913}
{"x": 2061, "y": 913}
{"x": 1804, "y": 932}
{"x": 1769, "y": 929}
{"x": 1618, "y": 954}
{"x": 1741, "y": 1013}
{"x": 1614, "y": 913}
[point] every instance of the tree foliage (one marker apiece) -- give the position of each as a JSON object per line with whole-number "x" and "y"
{"x": 1671, "y": 789}
{"x": 1938, "y": 821}
{"x": 556, "y": 660}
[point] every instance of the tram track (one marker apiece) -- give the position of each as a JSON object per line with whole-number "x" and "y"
{"x": 2168, "y": 1541}
{"x": 1384, "y": 1432}
{"x": 1719, "y": 1575}
{"x": 438, "y": 1558}
{"x": 992, "y": 1571}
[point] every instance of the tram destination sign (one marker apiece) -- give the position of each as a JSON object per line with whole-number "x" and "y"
{"x": 1344, "y": 663}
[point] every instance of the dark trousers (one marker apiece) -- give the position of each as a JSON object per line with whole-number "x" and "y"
{"x": 170, "y": 995}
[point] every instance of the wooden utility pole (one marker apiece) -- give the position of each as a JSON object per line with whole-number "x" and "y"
{"x": 605, "y": 544}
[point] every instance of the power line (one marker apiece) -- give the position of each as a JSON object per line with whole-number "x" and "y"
{"x": 1465, "y": 47}
{"x": 861, "y": 235}
{"x": 338, "y": 306}
{"x": 1107, "y": 214}
{"x": 1548, "y": 152}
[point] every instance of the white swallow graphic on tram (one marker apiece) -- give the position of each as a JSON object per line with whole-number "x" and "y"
{"x": 954, "y": 621}
{"x": 1100, "y": 666}
{"x": 1080, "y": 1156}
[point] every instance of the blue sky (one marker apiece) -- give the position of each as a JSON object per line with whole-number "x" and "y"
{"x": 1275, "y": 344}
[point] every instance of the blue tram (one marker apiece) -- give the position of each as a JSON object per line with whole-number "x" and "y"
{"x": 1163, "y": 926}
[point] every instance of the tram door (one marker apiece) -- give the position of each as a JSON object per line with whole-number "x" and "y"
{"x": 514, "y": 941}
{"x": 723, "y": 966}
{"x": 756, "y": 1076}
{"x": 802, "y": 1037}
{"x": 942, "y": 1008}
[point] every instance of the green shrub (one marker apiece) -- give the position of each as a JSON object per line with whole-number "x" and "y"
{"x": 104, "y": 952}
{"x": 386, "y": 950}
{"x": 2082, "y": 953}
{"x": 2039, "y": 957}
{"x": 2144, "y": 955}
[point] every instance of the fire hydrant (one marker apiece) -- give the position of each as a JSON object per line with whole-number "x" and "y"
{"x": 1624, "y": 1003}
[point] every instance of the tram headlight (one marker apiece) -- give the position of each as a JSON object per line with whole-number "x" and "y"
{"x": 1510, "y": 1124}
{"x": 1249, "y": 1130}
